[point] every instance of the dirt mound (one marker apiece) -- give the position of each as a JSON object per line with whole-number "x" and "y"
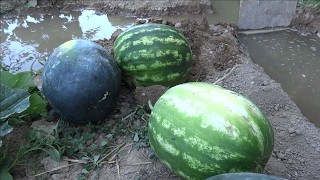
{"x": 120, "y": 7}
{"x": 307, "y": 20}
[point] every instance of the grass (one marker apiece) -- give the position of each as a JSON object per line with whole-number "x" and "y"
{"x": 312, "y": 3}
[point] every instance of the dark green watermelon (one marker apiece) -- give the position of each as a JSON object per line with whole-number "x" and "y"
{"x": 81, "y": 81}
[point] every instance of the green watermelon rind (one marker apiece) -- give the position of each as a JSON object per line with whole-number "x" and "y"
{"x": 153, "y": 54}
{"x": 199, "y": 130}
{"x": 81, "y": 81}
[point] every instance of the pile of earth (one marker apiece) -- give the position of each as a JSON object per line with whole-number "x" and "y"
{"x": 307, "y": 20}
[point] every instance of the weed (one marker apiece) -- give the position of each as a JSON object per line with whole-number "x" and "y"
{"x": 312, "y": 3}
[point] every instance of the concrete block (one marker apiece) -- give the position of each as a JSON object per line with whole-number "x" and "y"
{"x": 258, "y": 14}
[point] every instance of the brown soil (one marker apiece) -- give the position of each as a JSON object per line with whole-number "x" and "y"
{"x": 307, "y": 20}
{"x": 216, "y": 50}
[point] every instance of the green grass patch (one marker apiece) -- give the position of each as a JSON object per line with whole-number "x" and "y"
{"x": 312, "y": 3}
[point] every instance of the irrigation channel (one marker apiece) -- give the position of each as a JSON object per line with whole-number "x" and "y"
{"x": 287, "y": 57}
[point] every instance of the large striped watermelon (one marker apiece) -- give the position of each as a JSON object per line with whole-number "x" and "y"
{"x": 153, "y": 54}
{"x": 200, "y": 130}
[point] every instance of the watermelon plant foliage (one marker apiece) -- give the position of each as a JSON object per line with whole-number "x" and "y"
{"x": 19, "y": 97}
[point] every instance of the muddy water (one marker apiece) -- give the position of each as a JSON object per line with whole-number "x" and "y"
{"x": 293, "y": 61}
{"x": 224, "y": 11}
{"x": 29, "y": 39}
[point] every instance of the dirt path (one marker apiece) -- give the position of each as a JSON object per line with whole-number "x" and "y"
{"x": 296, "y": 153}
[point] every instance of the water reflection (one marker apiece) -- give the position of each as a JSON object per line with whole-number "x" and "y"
{"x": 292, "y": 60}
{"x": 25, "y": 40}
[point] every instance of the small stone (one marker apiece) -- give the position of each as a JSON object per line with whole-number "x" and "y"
{"x": 265, "y": 83}
{"x": 288, "y": 151}
{"x": 267, "y": 89}
{"x": 165, "y": 22}
{"x": 157, "y": 20}
{"x": 276, "y": 107}
{"x": 56, "y": 177}
{"x": 45, "y": 126}
{"x": 291, "y": 130}
{"x": 50, "y": 164}
{"x": 116, "y": 34}
{"x": 178, "y": 25}
{"x": 140, "y": 21}
{"x": 89, "y": 142}
{"x": 32, "y": 3}
{"x": 284, "y": 114}
{"x": 280, "y": 155}
{"x": 252, "y": 82}
{"x": 290, "y": 161}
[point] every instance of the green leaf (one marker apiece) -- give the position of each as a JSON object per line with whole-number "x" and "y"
{"x": 109, "y": 135}
{"x": 96, "y": 158}
{"x": 37, "y": 104}
{"x": 12, "y": 101}
{"x": 4, "y": 174}
{"x": 5, "y": 128}
{"x": 15, "y": 121}
{"x": 136, "y": 138}
{"x": 103, "y": 143}
{"x": 21, "y": 80}
{"x": 54, "y": 153}
{"x": 84, "y": 171}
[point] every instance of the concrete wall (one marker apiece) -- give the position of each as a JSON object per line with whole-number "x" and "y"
{"x": 258, "y": 14}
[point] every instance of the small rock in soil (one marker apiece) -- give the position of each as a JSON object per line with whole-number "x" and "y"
{"x": 265, "y": 83}
{"x": 140, "y": 21}
{"x": 116, "y": 34}
{"x": 178, "y": 25}
{"x": 280, "y": 155}
{"x": 291, "y": 130}
{"x": 44, "y": 126}
{"x": 50, "y": 164}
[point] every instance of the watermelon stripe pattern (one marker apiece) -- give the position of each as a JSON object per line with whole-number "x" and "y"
{"x": 199, "y": 130}
{"x": 153, "y": 54}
